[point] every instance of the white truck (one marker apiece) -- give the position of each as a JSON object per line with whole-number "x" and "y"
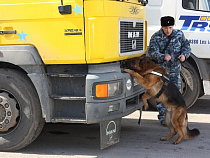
{"x": 193, "y": 18}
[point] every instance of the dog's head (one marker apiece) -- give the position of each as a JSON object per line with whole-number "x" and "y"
{"x": 139, "y": 64}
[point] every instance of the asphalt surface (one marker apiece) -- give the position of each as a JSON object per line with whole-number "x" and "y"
{"x": 82, "y": 141}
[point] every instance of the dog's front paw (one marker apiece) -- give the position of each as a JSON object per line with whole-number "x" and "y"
{"x": 146, "y": 107}
{"x": 163, "y": 139}
{"x": 127, "y": 70}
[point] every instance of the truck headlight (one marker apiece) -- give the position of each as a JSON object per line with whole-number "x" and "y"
{"x": 111, "y": 89}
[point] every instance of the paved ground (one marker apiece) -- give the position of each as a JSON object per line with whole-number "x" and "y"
{"x": 82, "y": 141}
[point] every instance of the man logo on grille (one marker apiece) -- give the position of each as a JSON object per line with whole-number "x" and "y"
{"x": 133, "y": 44}
{"x": 133, "y": 34}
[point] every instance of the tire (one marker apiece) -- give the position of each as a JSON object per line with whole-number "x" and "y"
{"x": 20, "y": 111}
{"x": 190, "y": 85}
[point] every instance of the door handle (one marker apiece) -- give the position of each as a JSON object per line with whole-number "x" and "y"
{"x": 7, "y": 32}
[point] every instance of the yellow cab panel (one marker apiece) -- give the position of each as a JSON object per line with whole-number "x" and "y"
{"x": 58, "y": 38}
{"x": 90, "y": 34}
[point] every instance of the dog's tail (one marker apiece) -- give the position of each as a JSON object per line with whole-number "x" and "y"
{"x": 192, "y": 133}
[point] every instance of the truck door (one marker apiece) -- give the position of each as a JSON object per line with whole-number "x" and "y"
{"x": 193, "y": 18}
{"x": 58, "y": 35}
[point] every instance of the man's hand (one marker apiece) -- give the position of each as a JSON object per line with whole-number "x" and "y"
{"x": 168, "y": 57}
{"x": 182, "y": 58}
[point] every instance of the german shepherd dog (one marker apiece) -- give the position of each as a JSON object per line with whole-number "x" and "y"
{"x": 142, "y": 69}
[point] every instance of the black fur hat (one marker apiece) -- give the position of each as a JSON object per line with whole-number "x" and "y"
{"x": 167, "y": 21}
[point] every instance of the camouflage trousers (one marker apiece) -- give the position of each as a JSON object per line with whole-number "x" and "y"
{"x": 176, "y": 79}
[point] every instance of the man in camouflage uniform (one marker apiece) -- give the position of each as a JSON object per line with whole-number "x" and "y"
{"x": 177, "y": 51}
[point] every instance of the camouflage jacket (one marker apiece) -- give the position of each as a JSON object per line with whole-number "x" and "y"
{"x": 177, "y": 46}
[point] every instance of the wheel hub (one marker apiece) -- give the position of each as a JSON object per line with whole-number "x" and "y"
{"x": 8, "y": 112}
{"x": 2, "y": 113}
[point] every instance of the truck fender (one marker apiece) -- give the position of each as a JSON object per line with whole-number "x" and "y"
{"x": 200, "y": 64}
{"x": 28, "y": 59}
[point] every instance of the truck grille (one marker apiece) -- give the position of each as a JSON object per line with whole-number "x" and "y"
{"x": 131, "y": 36}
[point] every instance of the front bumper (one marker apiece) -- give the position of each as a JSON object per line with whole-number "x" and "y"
{"x": 98, "y": 110}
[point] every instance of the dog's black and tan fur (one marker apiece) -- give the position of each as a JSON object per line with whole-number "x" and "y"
{"x": 176, "y": 112}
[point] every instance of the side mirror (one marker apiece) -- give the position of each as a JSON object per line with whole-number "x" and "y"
{"x": 64, "y": 9}
{"x": 143, "y": 2}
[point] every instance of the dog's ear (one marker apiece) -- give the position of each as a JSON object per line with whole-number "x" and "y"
{"x": 154, "y": 61}
{"x": 146, "y": 62}
{"x": 143, "y": 62}
{"x": 151, "y": 61}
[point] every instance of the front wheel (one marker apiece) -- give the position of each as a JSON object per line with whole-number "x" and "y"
{"x": 20, "y": 111}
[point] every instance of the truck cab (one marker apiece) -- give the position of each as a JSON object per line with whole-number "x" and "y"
{"x": 60, "y": 63}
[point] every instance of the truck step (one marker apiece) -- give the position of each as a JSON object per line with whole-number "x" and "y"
{"x": 60, "y": 97}
{"x": 68, "y": 120}
{"x": 65, "y": 75}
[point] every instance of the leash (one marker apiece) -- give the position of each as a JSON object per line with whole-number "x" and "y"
{"x": 139, "y": 121}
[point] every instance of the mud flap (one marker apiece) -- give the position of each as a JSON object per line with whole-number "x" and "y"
{"x": 110, "y": 132}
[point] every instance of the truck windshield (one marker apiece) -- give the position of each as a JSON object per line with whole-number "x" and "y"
{"x": 202, "y": 5}
{"x": 190, "y": 4}
{"x": 209, "y": 3}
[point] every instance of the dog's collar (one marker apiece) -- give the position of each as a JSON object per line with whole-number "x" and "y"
{"x": 164, "y": 77}
{"x": 156, "y": 73}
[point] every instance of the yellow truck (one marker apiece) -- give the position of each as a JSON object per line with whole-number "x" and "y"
{"x": 60, "y": 63}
